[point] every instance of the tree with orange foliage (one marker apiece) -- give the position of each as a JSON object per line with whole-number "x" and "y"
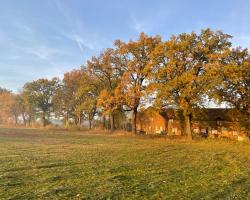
{"x": 234, "y": 83}
{"x": 187, "y": 69}
{"x": 86, "y": 97}
{"x": 7, "y": 102}
{"x": 65, "y": 99}
{"x": 136, "y": 59}
{"x": 106, "y": 68}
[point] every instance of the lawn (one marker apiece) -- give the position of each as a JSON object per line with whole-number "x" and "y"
{"x": 36, "y": 164}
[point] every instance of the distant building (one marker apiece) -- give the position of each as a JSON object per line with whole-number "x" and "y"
{"x": 209, "y": 122}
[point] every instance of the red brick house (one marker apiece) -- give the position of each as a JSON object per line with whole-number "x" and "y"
{"x": 212, "y": 122}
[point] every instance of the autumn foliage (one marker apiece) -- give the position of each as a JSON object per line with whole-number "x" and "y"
{"x": 183, "y": 72}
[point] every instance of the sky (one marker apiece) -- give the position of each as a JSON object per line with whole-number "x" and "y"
{"x": 46, "y": 38}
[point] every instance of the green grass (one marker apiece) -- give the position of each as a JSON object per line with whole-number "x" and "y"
{"x": 36, "y": 164}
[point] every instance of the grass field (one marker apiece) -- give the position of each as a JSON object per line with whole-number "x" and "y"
{"x": 36, "y": 164}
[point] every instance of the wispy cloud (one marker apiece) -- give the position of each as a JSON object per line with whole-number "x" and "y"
{"x": 139, "y": 25}
{"x": 82, "y": 44}
{"x": 44, "y": 52}
{"x": 79, "y": 33}
{"x": 23, "y": 27}
{"x": 149, "y": 22}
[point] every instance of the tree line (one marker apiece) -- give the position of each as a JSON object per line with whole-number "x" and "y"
{"x": 183, "y": 72}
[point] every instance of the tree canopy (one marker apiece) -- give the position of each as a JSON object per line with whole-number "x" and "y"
{"x": 183, "y": 72}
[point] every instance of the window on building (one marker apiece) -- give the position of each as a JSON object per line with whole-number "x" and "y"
{"x": 219, "y": 121}
{"x": 174, "y": 130}
{"x": 196, "y": 130}
{"x": 203, "y": 130}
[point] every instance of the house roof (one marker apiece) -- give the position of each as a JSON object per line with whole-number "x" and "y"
{"x": 204, "y": 114}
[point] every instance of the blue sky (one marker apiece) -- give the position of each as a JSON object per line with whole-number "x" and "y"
{"x": 49, "y": 37}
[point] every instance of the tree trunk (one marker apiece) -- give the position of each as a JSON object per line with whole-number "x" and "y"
{"x": 32, "y": 119}
{"x": 79, "y": 122}
{"x": 104, "y": 122}
{"x": 90, "y": 124}
{"x": 187, "y": 120}
{"x": 111, "y": 118}
{"x": 16, "y": 120}
{"x": 76, "y": 120}
{"x": 66, "y": 120}
{"x": 29, "y": 121}
{"x": 44, "y": 119}
{"x": 134, "y": 121}
{"x": 24, "y": 119}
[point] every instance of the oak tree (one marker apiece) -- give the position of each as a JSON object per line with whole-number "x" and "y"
{"x": 106, "y": 68}
{"x": 186, "y": 65}
{"x": 40, "y": 94}
{"x": 86, "y": 97}
{"x": 136, "y": 58}
{"x": 234, "y": 83}
{"x": 65, "y": 99}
